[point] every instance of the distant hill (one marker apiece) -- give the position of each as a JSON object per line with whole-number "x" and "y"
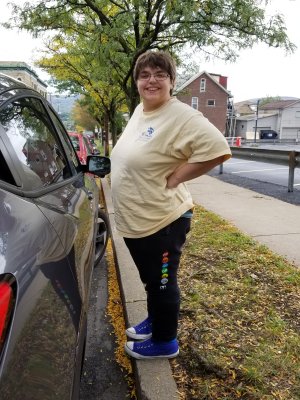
{"x": 254, "y": 101}
{"x": 63, "y": 106}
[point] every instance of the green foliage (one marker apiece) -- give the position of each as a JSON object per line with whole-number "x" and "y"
{"x": 268, "y": 99}
{"x": 83, "y": 117}
{"x": 94, "y": 43}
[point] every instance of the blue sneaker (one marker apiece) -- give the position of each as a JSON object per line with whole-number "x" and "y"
{"x": 143, "y": 330}
{"x": 149, "y": 349}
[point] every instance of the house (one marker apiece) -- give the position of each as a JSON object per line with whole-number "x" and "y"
{"x": 246, "y": 125}
{"x": 288, "y": 117}
{"x": 281, "y": 116}
{"x": 22, "y": 72}
{"x": 207, "y": 93}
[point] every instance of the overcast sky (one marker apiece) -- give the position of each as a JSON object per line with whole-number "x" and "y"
{"x": 258, "y": 72}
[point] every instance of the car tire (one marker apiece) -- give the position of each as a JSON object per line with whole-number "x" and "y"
{"x": 102, "y": 235}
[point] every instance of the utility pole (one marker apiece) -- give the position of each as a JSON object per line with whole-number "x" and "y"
{"x": 256, "y": 118}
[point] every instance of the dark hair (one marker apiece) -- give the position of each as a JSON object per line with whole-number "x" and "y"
{"x": 155, "y": 59}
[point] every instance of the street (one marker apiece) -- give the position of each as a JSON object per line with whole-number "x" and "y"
{"x": 261, "y": 177}
{"x": 263, "y": 171}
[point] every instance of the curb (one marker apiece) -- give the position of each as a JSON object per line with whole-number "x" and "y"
{"x": 153, "y": 378}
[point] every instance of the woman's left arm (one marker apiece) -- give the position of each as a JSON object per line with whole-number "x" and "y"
{"x": 190, "y": 171}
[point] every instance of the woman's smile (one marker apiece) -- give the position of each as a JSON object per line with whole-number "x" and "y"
{"x": 154, "y": 92}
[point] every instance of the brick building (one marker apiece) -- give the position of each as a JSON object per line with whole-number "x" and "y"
{"x": 207, "y": 93}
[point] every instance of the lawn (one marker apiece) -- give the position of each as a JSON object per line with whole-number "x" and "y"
{"x": 240, "y": 317}
{"x": 239, "y": 329}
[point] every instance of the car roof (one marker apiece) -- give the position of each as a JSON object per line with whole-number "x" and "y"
{"x": 10, "y": 86}
{"x": 74, "y": 134}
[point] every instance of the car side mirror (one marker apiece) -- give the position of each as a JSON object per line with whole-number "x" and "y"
{"x": 98, "y": 165}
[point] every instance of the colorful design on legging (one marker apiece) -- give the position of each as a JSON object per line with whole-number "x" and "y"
{"x": 164, "y": 270}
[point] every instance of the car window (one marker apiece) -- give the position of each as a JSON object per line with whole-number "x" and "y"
{"x": 75, "y": 142}
{"x": 64, "y": 136}
{"x": 34, "y": 141}
{"x": 88, "y": 145}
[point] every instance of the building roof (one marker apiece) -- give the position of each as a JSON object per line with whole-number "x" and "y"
{"x": 253, "y": 116}
{"x": 279, "y": 105}
{"x": 243, "y": 109}
{"x": 196, "y": 76}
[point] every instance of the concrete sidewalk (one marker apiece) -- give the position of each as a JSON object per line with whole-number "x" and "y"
{"x": 269, "y": 221}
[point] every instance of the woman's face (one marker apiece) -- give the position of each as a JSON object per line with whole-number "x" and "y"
{"x": 154, "y": 87}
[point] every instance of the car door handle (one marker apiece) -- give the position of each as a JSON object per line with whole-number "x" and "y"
{"x": 90, "y": 195}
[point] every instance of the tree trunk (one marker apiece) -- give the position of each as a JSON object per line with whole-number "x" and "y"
{"x": 133, "y": 98}
{"x": 113, "y": 123}
{"x": 106, "y": 135}
{"x": 113, "y": 131}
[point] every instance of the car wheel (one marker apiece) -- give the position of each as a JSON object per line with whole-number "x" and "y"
{"x": 102, "y": 235}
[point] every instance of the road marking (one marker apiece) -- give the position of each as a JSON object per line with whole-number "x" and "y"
{"x": 259, "y": 170}
{"x": 233, "y": 162}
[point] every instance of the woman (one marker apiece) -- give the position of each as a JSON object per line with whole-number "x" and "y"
{"x": 164, "y": 144}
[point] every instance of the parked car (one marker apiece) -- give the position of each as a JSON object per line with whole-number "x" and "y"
{"x": 268, "y": 134}
{"x": 51, "y": 233}
{"x": 81, "y": 145}
{"x": 92, "y": 143}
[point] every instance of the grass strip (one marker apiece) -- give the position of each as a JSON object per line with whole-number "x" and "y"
{"x": 239, "y": 328}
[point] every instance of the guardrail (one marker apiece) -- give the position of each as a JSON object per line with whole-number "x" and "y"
{"x": 283, "y": 157}
{"x": 232, "y": 140}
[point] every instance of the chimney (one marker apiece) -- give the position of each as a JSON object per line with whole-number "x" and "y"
{"x": 223, "y": 81}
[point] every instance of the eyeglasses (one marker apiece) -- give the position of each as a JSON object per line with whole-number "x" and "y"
{"x": 158, "y": 76}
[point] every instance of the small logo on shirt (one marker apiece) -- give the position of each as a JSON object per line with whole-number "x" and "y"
{"x": 147, "y": 135}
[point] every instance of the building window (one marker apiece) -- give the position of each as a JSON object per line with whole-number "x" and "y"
{"x": 211, "y": 103}
{"x": 297, "y": 114}
{"x": 202, "y": 85}
{"x": 195, "y": 103}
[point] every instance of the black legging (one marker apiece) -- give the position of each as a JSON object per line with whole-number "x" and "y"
{"x": 157, "y": 258}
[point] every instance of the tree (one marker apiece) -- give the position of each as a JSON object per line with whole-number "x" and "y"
{"x": 83, "y": 117}
{"x": 268, "y": 99}
{"x": 125, "y": 29}
{"x": 74, "y": 61}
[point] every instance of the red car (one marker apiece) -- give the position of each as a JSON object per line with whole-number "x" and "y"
{"x": 81, "y": 145}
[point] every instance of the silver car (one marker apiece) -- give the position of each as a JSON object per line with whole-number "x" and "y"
{"x": 51, "y": 233}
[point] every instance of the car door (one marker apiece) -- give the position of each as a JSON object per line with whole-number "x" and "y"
{"x": 49, "y": 253}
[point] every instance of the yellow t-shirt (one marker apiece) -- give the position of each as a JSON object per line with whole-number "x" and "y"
{"x": 151, "y": 147}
